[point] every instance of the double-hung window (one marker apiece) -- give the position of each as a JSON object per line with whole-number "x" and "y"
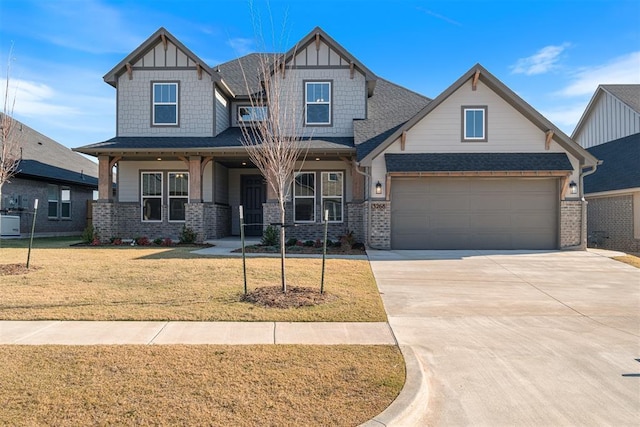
{"x": 151, "y": 200}
{"x": 178, "y": 195}
{"x": 53, "y": 197}
{"x": 65, "y": 203}
{"x": 59, "y": 202}
{"x": 317, "y": 103}
{"x": 332, "y": 195}
{"x": 165, "y": 104}
{"x": 304, "y": 197}
{"x": 474, "y": 124}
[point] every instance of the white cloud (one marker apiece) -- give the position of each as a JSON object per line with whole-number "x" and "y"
{"x": 242, "y": 46}
{"x": 35, "y": 99}
{"x": 623, "y": 69}
{"x": 541, "y": 62}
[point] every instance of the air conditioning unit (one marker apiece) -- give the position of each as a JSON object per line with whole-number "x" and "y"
{"x": 9, "y": 226}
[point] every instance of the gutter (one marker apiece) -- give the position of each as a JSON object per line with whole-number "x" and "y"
{"x": 593, "y": 170}
{"x": 367, "y": 184}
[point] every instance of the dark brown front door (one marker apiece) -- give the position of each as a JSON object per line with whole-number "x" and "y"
{"x": 253, "y": 195}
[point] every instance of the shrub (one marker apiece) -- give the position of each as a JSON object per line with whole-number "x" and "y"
{"x": 167, "y": 242}
{"x": 187, "y": 235}
{"x": 317, "y": 243}
{"x": 270, "y": 236}
{"x": 157, "y": 241}
{"x": 292, "y": 242}
{"x": 143, "y": 241}
{"x": 309, "y": 243}
{"x": 348, "y": 239}
{"x": 116, "y": 241}
{"x": 299, "y": 243}
{"x": 95, "y": 242}
{"x": 89, "y": 234}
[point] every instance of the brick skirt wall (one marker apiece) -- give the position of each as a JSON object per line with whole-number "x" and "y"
{"x": 610, "y": 223}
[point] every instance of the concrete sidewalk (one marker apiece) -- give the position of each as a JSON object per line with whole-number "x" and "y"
{"x": 145, "y": 333}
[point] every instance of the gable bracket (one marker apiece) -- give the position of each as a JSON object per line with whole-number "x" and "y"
{"x": 351, "y": 70}
{"x": 164, "y": 41}
{"x": 547, "y": 141}
{"x": 403, "y": 140}
{"x": 283, "y": 67}
{"x": 199, "y": 70}
{"x": 474, "y": 82}
{"x": 184, "y": 159}
{"x": 129, "y": 70}
{"x": 204, "y": 164}
{"x": 113, "y": 162}
{"x": 317, "y": 41}
{"x": 565, "y": 185}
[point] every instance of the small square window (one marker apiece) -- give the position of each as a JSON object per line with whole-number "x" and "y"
{"x": 474, "y": 124}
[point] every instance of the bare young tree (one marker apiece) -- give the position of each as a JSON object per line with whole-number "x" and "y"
{"x": 271, "y": 134}
{"x": 10, "y": 137}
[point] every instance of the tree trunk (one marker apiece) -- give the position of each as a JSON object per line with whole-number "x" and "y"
{"x": 282, "y": 247}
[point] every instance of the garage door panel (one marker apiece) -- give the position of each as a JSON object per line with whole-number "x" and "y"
{"x": 474, "y": 213}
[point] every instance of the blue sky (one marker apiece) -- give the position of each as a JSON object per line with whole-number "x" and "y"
{"x": 552, "y": 53}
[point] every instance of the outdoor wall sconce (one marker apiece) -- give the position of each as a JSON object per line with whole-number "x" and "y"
{"x": 573, "y": 188}
{"x": 378, "y": 188}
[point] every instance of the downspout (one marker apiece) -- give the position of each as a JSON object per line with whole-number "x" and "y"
{"x": 593, "y": 169}
{"x": 367, "y": 196}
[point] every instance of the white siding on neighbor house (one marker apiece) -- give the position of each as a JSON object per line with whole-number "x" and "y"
{"x": 348, "y": 99}
{"x": 440, "y": 131}
{"x": 608, "y": 120}
{"x": 129, "y": 176}
{"x": 222, "y": 112}
{"x": 195, "y": 104}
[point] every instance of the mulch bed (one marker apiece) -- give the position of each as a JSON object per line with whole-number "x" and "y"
{"x": 296, "y": 296}
{"x": 261, "y": 249}
{"x": 15, "y": 269}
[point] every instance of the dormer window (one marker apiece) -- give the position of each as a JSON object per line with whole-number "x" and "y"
{"x": 165, "y": 104}
{"x": 250, "y": 113}
{"x": 317, "y": 103}
{"x": 474, "y": 123}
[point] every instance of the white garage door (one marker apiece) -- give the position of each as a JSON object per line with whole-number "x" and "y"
{"x": 474, "y": 213}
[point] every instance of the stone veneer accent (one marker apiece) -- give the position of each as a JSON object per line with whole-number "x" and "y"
{"x": 613, "y": 217}
{"x": 573, "y": 221}
{"x": 380, "y": 228}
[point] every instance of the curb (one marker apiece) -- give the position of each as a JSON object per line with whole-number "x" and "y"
{"x": 409, "y": 408}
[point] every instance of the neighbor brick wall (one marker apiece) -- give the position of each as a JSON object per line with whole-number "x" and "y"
{"x": 572, "y": 224}
{"x": 613, "y": 217}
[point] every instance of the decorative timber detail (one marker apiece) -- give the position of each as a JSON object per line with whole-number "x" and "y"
{"x": 474, "y": 82}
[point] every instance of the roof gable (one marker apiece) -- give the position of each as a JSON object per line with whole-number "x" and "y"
{"x": 161, "y": 49}
{"x": 480, "y": 73}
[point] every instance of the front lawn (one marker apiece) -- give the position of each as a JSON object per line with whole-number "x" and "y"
{"x": 155, "y": 283}
{"x": 629, "y": 259}
{"x": 197, "y": 385}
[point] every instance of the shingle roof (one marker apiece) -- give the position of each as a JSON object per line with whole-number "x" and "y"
{"x": 230, "y": 138}
{"x": 250, "y": 66}
{"x": 44, "y": 158}
{"x": 389, "y": 108}
{"x": 467, "y": 162}
{"x": 629, "y": 94}
{"x": 620, "y": 168}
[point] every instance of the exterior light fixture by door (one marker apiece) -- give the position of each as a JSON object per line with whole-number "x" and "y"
{"x": 378, "y": 188}
{"x": 573, "y": 188}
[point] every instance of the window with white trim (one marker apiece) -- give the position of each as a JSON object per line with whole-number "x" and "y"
{"x": 178, "y": 195}
{"x": 53, "y": 197}
{"x": 65, "y": 203}
{"x": 317, "y": 105}
{"x": 304, "y": 197}
{"x": 252, "y": 113}
{"x": 474, "y": 123}
{"x": 332, "y": 185}
{"x": 165, "y": 104}
{"x": 151, "y": 196}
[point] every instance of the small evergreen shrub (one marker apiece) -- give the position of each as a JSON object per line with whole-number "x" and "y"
{"x": 292, "y": 242}
{"x": 309, "y": 243}
{"x": 187, "y": 235}
{"x": 270, "y": 236}
{"x": 89, "y": 234}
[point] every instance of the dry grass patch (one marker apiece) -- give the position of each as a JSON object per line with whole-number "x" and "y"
{"x": 197, "y": 385}
{"x": 124, "y": 283}
{"x": 629, "y": 259}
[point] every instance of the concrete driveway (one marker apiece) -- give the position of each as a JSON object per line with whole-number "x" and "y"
{"x": 518, "y": 338}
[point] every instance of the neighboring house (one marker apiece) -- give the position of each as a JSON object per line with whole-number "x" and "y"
{"x": 610, "y": 130}
{"x": 475, "y": 168}
{"x": 63, "y": 182}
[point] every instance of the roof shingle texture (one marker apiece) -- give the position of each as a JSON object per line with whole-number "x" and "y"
{"x": 471, "y": 162}
{"x": 620, "y": 168}
{"x": 387, "y": 110}
{"x": 629, "y": 94}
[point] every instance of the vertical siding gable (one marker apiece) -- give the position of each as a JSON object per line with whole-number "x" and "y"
{"x": 608, "y": 120}
{"x": 325, "y": 56}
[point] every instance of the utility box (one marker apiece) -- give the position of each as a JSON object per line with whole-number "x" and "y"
{"x": 9, "y": 226}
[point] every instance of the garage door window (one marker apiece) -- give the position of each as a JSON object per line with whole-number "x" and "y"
{"x": 474, "y": 123}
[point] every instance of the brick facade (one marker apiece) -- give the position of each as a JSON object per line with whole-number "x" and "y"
{"x": 380, "y": 228}
{"x": 572, "y": 224}
{"x": 610, "y": 223}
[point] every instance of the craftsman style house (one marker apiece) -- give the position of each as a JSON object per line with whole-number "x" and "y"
{"x": 610, "y": 130}
{"x": 476, "y": 167}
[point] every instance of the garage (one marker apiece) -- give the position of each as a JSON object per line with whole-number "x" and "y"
{"x": 474, "y": 213}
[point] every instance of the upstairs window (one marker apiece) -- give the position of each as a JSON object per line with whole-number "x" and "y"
{"x": 474, "y": 124}
{"x": 317, "y": 103}
{"x": 165, "y": 104}
{"x": 249, "y": 114}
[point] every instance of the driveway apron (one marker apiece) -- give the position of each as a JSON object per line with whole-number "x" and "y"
{"x": 518, "y": 338}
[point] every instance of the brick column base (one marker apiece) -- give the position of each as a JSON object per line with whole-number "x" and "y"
{"x": 194, "y": 219}
{"x": 104, "y": 219}
{"x": 573, "y": 224}
{"x": 379, "y": 234}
